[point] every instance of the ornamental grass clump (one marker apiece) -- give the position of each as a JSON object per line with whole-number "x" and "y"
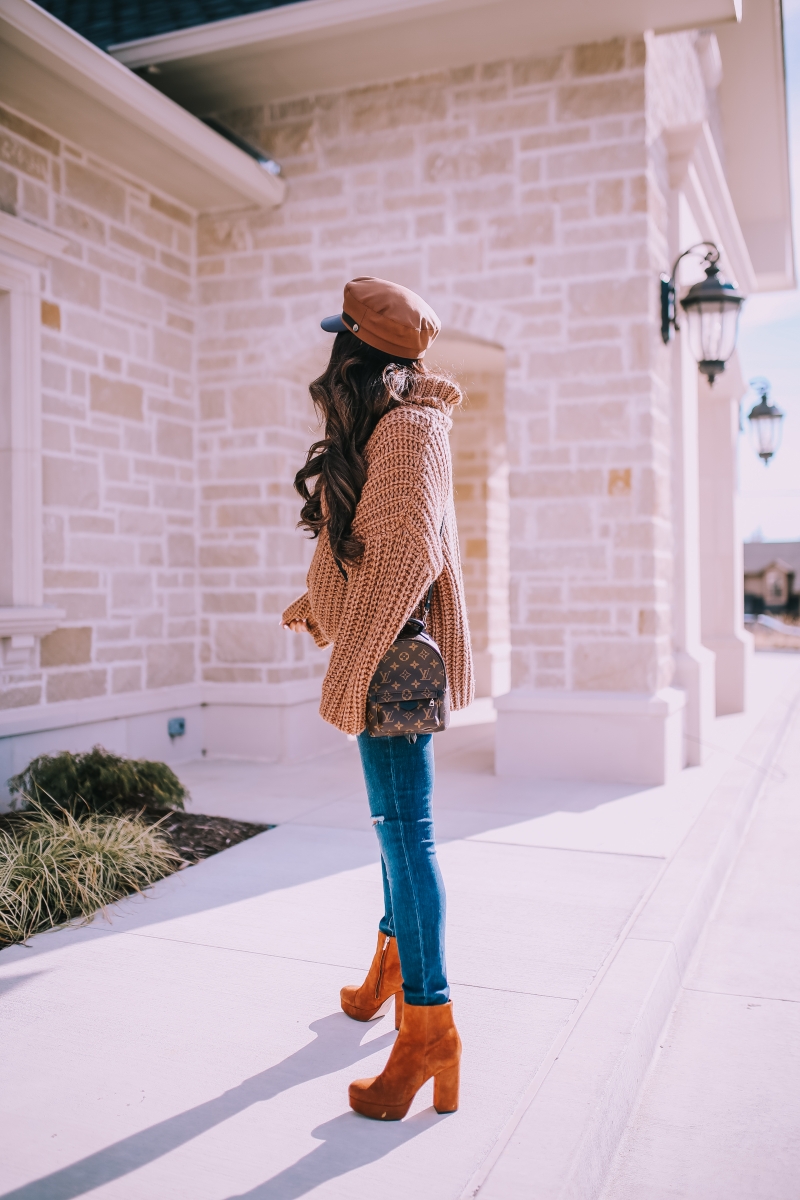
{"x": 56, "y": 867}
{"x": 96, "y": 782}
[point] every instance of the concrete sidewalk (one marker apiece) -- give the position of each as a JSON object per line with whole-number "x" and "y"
{"x": 194, "y": 1046}
{"x": 719, "y": 1116}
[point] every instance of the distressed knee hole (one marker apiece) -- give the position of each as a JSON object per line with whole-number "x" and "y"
{"x": 378, "y": 820}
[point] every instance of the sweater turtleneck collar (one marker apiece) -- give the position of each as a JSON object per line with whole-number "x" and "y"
{"x": 436, "y": 391}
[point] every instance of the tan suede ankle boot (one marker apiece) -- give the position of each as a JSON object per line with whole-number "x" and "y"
{"x": 428, "y": 1045}
{"x": 384, "y": 979}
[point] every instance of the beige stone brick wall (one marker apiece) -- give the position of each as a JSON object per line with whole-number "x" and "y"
{"x": 523, "y": 199}
{"x": 528, "y": 201}
{"x": 118, "y": 427}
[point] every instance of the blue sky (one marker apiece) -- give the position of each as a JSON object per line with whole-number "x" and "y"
{"x": 769, "y": 345}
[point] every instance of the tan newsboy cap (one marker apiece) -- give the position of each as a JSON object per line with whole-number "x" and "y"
{"x": 386, "y": 316}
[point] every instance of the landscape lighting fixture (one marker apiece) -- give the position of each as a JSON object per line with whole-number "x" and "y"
{"x": 712, "y": 313}
{"x": 766, "y": 422}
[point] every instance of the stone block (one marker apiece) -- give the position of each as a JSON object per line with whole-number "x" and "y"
{"x": 229, "y": 602}
{"x": 557, "y": 482}
{"x": 20, "y": 697}
{"x": 8, "y": 192}
{"x": 75, "y": 685}
{"x": 153, "y": 227}
{"x": 249, "y": 641}
{"x": 181, "y": 498}
{"x": 180, "y": 550}
{"x": 408, "y": 102}
{"x": 259, "y": 316}
{"x": 24, "y": 158}
{"x": 233, "y": 516}
{"x": 228, "y": 554}
{"x": 222, "y": 291}
{"x": 166, "y": 283}
{"x": 28, "y": 131}
{"x": 599, "y": 58}
{"x": 129, "y": 241}
{"x": 126, "y": 679}
{"x": 597, "y": 160}
{"x": 70, "y": 483}
{"x": 456, "y": 258}
{"x": 212, "y": 404}
{"x": 169, "y": 209}
{"x": 356, "y": 152}
{"x": 170, "y": 663}
{"x": 610, "y": 297}
{"x": 528, "y": 71}
{"x": 131, "y": 589}
{"x": 66, "y": 647}
{"x": 110, "y": 335}
{"x": 518, "y": 232}
{"x": 507, "y": 117}
{"x": 72, "y": 282}
{"x": 597, "y": 422}
{"x": 582, "y": 102}
{"x": 257, "y": 404}
{"x": 82, "y": 224}
{"x": 171, "y": 350}
{"x": 174, "y": 440}
{"x": 470, "y": 161}
{"x": 94, "y": 190}
{"x": 615, "y": 665}
{"x": 555, "y": 522}
{"x": 619, "y": 481}
{"x": 116, "y": 397}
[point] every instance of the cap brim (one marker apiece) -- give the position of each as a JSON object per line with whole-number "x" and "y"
{"x": 334, "y": 324}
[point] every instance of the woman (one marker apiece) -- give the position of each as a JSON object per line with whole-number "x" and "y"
{"x": 382, "y": 507}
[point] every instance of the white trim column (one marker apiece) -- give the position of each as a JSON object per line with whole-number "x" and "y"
{"x": 721, "y": 551}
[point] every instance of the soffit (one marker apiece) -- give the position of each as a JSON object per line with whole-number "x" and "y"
{"x": 50, "y": 74}
{"x": 752, "y": 99}
{"x": 318, "y": 45}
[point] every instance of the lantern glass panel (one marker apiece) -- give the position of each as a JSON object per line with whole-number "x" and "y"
{"x": 712, "y": 330}
{"x": 766, "y": 432}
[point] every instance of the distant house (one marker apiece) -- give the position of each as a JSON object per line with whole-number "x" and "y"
{"x": 772, "y": 577}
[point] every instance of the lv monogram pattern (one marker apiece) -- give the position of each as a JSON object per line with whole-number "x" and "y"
{"x": 408, "y": 692}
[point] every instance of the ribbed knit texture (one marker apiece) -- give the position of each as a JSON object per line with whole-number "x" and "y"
{"x": 409, "y": 489}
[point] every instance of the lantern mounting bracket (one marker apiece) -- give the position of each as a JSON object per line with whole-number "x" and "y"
{"x": 669, "y": 316}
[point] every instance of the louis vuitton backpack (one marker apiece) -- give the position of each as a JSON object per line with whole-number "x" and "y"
{"x": 408, "y": 694}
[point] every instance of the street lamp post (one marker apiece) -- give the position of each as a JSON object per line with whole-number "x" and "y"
{"x": 712, "y": 313}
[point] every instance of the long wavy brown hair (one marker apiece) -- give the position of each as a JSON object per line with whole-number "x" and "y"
{"x": 358, "y": 386}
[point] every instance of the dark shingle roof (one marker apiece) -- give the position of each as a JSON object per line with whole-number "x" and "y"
{"x": 759, "y": 555}
{"x": 107, "y": 22}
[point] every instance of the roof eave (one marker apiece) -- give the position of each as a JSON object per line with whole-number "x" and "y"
{"x": 100, "y": 105}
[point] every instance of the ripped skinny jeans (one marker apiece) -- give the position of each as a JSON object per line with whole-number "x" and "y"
{"x": 399, "y": 779}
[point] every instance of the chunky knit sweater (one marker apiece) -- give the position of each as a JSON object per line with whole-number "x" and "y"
{"x": 407, "y": 494}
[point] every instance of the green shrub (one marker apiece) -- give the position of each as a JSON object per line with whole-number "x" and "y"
{"x": 56, "y": 868}
{"x": 97, "y": 782}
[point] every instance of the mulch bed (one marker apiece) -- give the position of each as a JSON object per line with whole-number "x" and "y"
{"x": 193, "y": 835}
{"x": 196, "y": 836}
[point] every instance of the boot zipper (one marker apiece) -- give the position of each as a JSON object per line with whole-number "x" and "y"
{"x": 380, "y": 968}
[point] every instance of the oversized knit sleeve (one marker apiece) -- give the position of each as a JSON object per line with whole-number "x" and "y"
{"x": 398, "y": 519}
{"x": 300, "y": 610}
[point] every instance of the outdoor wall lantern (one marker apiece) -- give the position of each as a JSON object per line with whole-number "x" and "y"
{"x": 712, "y": 313}
{"x": 766, "y": 422}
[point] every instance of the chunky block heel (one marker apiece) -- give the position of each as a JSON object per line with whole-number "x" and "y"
{"x": 445, "y": 1089}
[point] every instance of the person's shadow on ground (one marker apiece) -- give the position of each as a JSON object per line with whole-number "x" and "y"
{"x": 347, "y": 1145}
{"x": 337, "y": 1045}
